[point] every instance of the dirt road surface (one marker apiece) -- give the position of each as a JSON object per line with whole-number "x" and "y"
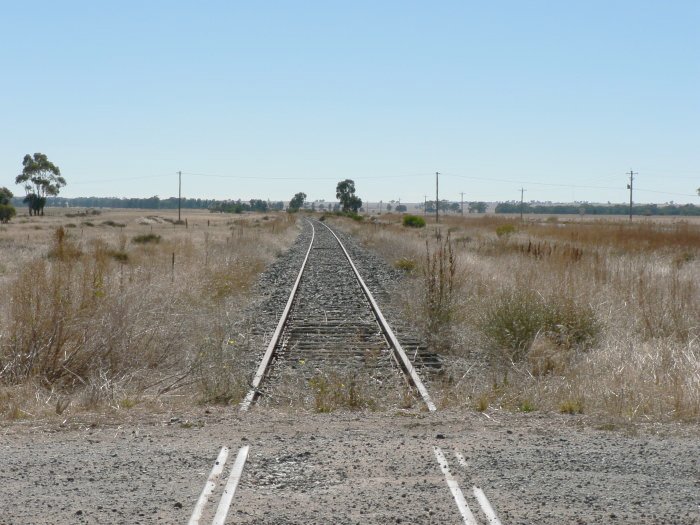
{"x": 349, "y": 468}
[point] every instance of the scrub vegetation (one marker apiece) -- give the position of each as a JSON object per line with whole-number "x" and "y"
{"x": 115, "y": 317}
{"x": 598, "y": 317}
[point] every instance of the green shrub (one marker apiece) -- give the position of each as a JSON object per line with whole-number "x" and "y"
{"x": 7, "y": 211}
{"x": 571, "y": 406}
{"x": 405, "y": 264}
{"x": 83, "y": 213}
{"x": 413, "y": 221}
{"x": 147, "y": 238}
{"x": 516, "y": 317}
{"x": 527, "y": 406}
{"x": 505, "y": 229}
{"x": 114, "y": 224}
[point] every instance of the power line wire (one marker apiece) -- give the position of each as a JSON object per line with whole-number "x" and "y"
{"x": 120, "y": 179}
{"x": 667, "y": 192}
{"x": 383, "y": 177}
{"x": 559, "y": 185}
{"x": 298, "y": 178}
{"x": 514, "y": 181}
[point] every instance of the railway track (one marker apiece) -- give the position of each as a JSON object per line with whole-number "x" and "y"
{"x": 331, "y": 321}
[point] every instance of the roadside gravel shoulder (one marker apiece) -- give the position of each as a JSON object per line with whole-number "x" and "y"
{"x": 349, "y": 467}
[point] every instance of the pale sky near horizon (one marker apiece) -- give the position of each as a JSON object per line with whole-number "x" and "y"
{"x": 264, "y": 99}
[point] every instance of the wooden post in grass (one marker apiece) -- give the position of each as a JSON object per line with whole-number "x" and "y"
{"x": 630, "y": 187}
{"x": 179, "y": 194}
{"x": 437, "y": 199}
{"x": 172, "y": 270}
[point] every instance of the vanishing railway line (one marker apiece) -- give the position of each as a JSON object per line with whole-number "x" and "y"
{"x": 332, "y": 320}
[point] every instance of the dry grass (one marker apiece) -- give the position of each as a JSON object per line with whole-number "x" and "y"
{"x": 92, "y": 319}
{"x": 599, "y": 317}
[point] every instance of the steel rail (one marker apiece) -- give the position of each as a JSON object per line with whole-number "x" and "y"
{"x": 265, "y": 362}
{"x": 398, "y": 350}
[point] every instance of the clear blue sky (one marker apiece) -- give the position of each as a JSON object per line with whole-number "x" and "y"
{"x": 264, "y": 99}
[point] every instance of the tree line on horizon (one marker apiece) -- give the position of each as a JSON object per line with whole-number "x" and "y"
{"x": 260, "y": 205}
{"x": 42, "y": 181}
{"x": 598, "y": 209}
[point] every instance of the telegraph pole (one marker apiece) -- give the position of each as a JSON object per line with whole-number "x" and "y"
{"x": 179, "y": 194}
{"x": 522, "y": 203}
{"x": 437, "y": 200}
{"x": 425, "y": 205}
{"x": 461, "y": 209}
{"x": 629, "y": 187}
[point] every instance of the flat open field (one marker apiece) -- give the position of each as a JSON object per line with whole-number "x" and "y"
{"x": 570, "y": 385}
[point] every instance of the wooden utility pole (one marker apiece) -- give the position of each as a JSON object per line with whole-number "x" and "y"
{"x": 522, "y": 203}
{"x": 461, "y": 208}
{"x": 425, "y": 205}
{"x": 437, "y": 199}
{"x": 629, "y": 187}
{"x": 179, "y": 194}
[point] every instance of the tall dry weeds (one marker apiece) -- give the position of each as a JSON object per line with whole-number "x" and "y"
{"x": 596, "y": 317}
{"x": 438, "y": 271}
{"x": 102, "y": 319}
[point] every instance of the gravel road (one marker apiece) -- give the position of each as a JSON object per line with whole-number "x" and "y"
{"x": 364, "y": 468}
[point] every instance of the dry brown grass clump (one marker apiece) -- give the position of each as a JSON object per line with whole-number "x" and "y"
{"x": 598, "y": 317}
{"x": 95, "y": 319}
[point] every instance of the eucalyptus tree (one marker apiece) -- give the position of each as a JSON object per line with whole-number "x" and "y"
{"x": 297, "y": 201}
{"x": 345, "y": 193}
{"x": 40, "y": 178}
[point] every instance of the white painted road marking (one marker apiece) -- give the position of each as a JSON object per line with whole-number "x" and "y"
{"x": 229, "y": 490}
{"x": 461, "y": 459}
{"x": 209, "y": 486}
{"x": 480, "y": 496}
{"x": 231, "y": 485}
{"x": 464, "y": 509}
{"x": 486, "y": 506}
